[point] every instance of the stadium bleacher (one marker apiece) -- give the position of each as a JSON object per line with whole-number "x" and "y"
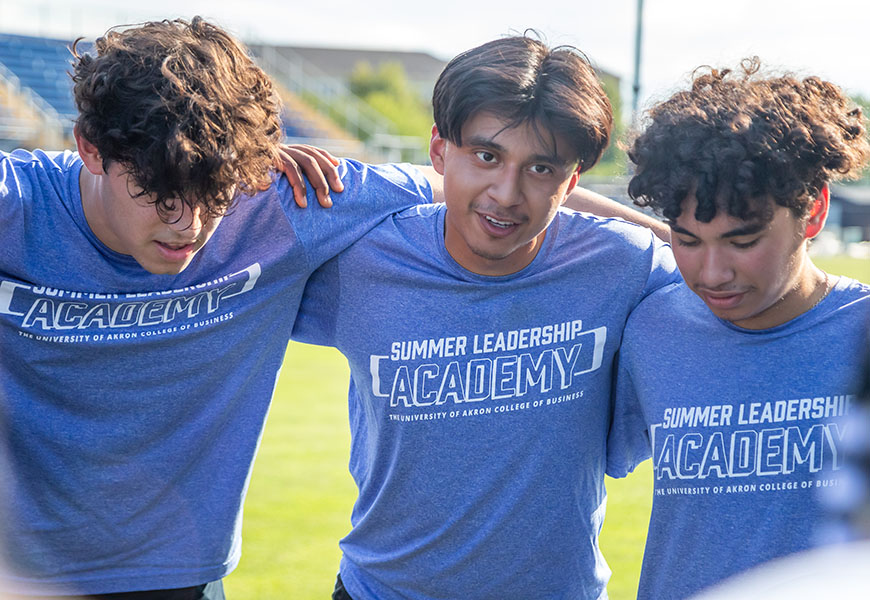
{"x": 41, "y": 64}
{"x": 39, "y": 67}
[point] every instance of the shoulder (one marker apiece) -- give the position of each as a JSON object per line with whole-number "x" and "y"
{"x": 623, "y": 250}
{"x": 670, "y": 298}
{"x": 851, "y": 294}
{"x": 38, "y": 161}
{"x": 392, "y": 185}
{"x": 393, "y": 176}
{"x": 408, "y": 233}
{"x": 673, "y": 307}
{"x": 420, "y": 213}
{"x": 618, "y": 233}
{"x": 850, "y": 288}
{"x": 26, "y": 176}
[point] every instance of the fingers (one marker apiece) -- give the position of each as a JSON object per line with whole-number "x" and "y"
{"x": 318, "y": 166}
{"x": 287, "y": 165}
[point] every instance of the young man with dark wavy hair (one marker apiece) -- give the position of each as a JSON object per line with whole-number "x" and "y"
{"x": 147, "y": 294}
{"x": 741, "y": 372}
{"x": 480, "y": 335}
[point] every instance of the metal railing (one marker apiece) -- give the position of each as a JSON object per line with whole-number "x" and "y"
{"x": 52, "y": 127}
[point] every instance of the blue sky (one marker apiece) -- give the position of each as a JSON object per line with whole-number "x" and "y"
{"x": 824, "y": 37}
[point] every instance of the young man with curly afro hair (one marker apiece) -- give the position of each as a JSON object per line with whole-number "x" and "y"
{"x": 740, "y": 373}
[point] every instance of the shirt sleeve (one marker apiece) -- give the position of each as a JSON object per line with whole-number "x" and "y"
{"x": 371, "y": 193}
{"x": 317, "y": 317}
{"x": 628, "y": 439}
{"x": 663, "y": 268}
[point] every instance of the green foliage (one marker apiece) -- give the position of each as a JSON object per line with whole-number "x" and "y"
{"x": 613, "y": 161}
{"x": 388, "y": 91}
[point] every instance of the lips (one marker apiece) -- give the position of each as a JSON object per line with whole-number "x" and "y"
{"x": 497, "y": 226}
{"x": 175, "y": 251}
{"x": 722, "y": 300}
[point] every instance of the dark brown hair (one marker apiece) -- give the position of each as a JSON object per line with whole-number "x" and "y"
{"x": 521, "y": 80}
{"x": 182, "y": 108}
{"x": 738, "y": 139}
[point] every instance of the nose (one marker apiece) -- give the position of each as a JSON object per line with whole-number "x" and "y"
{"x": 715, "y": 268}
{"x": 505, "y": 187}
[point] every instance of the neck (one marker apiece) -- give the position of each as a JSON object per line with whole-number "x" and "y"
{"x": 90, "y": 188}
{"x": 810, "y": 288}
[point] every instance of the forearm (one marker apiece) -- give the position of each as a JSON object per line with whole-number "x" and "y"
{"x": 436, "y": 181}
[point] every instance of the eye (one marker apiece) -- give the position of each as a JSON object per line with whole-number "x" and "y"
{"x": 689, "y": 243}
{"x": 541, "y": 169}
{"x": 745, "y": 245}
{"x": 487, "y": 157}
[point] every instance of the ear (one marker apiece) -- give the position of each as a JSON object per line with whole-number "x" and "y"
{"x": 572, "y": 183}
{"x": 437, "y": 150}
{"x": 819, "y": 213}
{"x": 88, "y": 152}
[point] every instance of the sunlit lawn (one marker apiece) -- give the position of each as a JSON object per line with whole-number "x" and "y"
{"x": 301, "y": 493}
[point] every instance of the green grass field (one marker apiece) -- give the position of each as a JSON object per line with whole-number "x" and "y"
{"x": 301, "y": 494}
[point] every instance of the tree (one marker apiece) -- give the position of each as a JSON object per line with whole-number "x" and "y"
{"x": 388, "y": 91}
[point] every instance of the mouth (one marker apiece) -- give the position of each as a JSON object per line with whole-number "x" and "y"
{"x": 497, "y": 227}
{"x": 722, "y": 300}
{"x": 175, "y": 251}
{"x": 497, "y": 223}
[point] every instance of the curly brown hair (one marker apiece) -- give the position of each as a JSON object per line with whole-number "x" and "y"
{"x": 737, "y": 138}
{"x": 521, "y": 80}
{"x": 183, "y": 108}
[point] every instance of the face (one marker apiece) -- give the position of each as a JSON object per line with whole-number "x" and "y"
{"x": 755, "y": 274}
{"x": 502, "y": 188}
{"x": 130, "y": 224}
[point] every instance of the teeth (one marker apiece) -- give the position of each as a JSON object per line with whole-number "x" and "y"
{"x": 497, "y": 222}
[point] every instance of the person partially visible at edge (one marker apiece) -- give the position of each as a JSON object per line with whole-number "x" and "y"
{"x": 740, "y": 374}
{"x": 148, "y": 286}
{"x": 481, "y": 335}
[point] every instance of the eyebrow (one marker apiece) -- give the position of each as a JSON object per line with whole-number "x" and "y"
{"x": 554, "y": 159}
{"x": 748, "y": 229}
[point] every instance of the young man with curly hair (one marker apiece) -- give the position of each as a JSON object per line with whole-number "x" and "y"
{"x": 480, "y": 335}
{"x": 147, "y": 294}
{"x": 740, "y": 373}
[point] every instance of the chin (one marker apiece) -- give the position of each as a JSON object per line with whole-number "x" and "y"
{"x": 164, "y": 269}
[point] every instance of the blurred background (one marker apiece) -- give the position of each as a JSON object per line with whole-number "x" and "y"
{"x": 356, "y": 78}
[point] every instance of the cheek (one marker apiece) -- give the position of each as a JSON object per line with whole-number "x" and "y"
{"x": 765, "y": 266}
{"x": 687, "y": 262}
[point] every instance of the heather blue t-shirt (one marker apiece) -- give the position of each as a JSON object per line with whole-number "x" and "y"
{"x": 480, "y": 407}
{"x": 745, "y": 429}
{"x": 131, "y": 404}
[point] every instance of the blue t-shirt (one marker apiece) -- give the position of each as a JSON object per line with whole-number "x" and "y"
{"x": 744, "y": 427}
{"x": 131, "y": 404}
{"x": 480, "y": 407}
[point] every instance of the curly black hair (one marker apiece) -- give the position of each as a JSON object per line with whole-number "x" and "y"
{"x": 182, "y": 107}
{"x": 737, "y": 140}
